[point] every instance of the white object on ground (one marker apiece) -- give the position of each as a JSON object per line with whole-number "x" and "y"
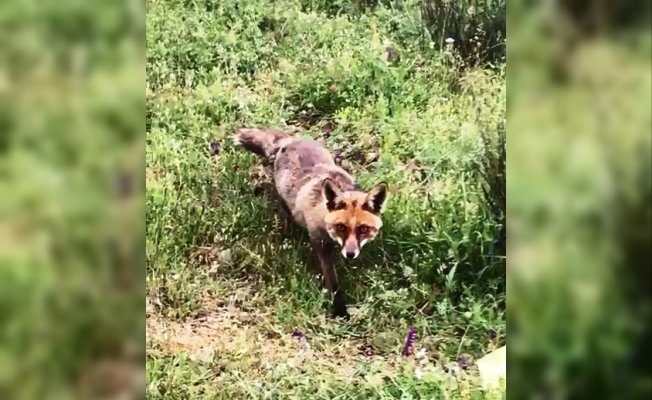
{"x": 493, "y": 369}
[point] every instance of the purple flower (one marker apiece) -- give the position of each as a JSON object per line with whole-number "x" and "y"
{"x": 298, "y": 334}
{"x": 492, "y": 334}
{"x": 463, "y": 363}
{"x": 215, "y": 148}
{"x": 412, "y": 334}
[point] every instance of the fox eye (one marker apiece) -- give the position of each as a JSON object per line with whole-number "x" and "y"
{"x": 363, "y": 229}
{"x": 341, "y": 228}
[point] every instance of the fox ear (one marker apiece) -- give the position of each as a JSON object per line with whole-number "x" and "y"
{"x": 376, "y": 197}
{"x": 330, "y": 193}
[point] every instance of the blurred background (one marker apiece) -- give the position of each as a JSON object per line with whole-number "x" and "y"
{"x": 579, "y": 172}
{"x": 72, "y": 110}
{"x": 72, "y": 278}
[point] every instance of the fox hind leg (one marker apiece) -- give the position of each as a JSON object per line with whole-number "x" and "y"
{"x": 287, "y": 219}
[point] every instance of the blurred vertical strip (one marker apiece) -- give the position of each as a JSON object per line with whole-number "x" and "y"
{"x": 72, "y": 155}
{"x": 580, "y": 204}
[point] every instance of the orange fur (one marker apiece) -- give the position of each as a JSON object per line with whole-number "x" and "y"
{"x": 354, "y": 217}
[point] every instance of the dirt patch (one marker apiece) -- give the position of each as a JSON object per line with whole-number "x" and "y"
{"x": 248, "y": 340}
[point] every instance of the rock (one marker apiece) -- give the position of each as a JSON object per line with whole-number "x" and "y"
{"x": 493, "y": 369}
{"x": 225, "y": 257}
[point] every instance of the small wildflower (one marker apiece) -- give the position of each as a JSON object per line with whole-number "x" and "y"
{"x": 297, "y": 334}
{"x": 450, "y": 40}
{"x": 421, "y": 353}
{"x": 407, "y": 351}
{"x": 463, "y": 363}
{"x": 214, "y": 148}
{"x": 454, "y": 369}
{"x": 418, "y": 373}
{"x": 492, "y": 334}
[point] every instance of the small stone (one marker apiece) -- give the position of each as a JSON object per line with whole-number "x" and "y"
{"x": 372, "y": 157}
{"x": 215, "y": 267}
{"x": 225, "y": 256}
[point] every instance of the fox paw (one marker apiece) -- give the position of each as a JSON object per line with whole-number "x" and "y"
{"x": 286, "y": 231}
{"x": 340, "y": 310}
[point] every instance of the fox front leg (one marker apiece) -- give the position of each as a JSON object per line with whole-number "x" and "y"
{"x": 325, "y": 253}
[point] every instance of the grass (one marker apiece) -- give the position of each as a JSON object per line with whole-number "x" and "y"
{"x": 232, "y": 310}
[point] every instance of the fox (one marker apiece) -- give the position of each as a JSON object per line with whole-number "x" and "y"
{"x": 321, "y": 197}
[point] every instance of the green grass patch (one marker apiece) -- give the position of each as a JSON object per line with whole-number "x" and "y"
{"x": 213, "y": 243}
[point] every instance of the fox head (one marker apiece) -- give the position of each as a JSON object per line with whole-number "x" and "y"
{"x": 353, "y": 217}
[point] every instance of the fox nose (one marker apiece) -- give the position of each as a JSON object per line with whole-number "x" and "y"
{"x": 350, "y": 253}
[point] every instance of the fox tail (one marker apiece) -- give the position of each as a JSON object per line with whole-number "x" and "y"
{"x": 263, "y": 142}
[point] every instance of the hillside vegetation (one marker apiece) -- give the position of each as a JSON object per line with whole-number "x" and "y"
{"x": 232, "y": 310}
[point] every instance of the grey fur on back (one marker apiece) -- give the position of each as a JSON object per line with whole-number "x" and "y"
{"x": 300, "y": 167}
